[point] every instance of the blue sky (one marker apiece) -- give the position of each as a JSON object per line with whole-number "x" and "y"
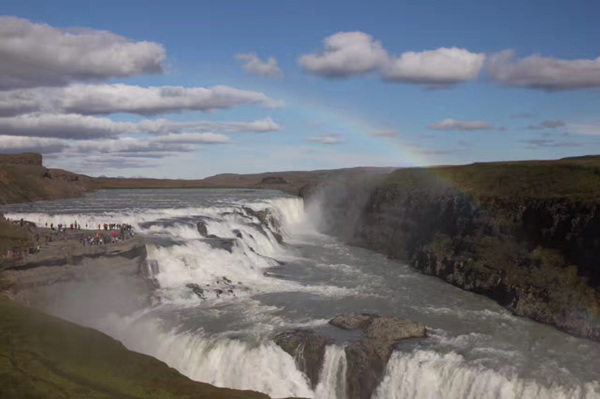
{"x": 331, "y": 112}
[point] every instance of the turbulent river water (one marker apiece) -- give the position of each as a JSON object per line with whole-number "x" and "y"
{"x": 476, "y": 348}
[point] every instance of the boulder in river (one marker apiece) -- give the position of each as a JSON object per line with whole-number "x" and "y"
{"x": 366, "y": 358}
{"x": 225, "y": 244}
{"x": 201, "y": 226}
{"x": 352, "y": 321}
{"x": 308, "y": 350}
{"x": 196, "y": 290}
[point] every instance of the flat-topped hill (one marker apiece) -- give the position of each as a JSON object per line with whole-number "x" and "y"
{"x": 28, "y": 158}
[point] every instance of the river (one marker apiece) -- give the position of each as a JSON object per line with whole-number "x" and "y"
{"x": 475, "y": 349}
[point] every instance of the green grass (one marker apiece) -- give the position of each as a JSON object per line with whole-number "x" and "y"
{"x": 46, "y": 357}
{"x": 577, "y": 179}
{"x": 12, "y": 236}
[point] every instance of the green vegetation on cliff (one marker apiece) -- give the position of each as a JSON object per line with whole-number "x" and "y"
{"x": 573, "y": 178}
{"x": 45, "y": 357}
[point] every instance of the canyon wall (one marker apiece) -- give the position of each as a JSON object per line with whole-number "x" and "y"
{"x": 525, "y": 234}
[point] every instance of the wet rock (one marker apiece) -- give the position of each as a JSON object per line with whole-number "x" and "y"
{"x": 149, "y": 268}
{"x": 308, "y": 350}
{"x": 225, "y": 244}
{"x": 366, "y": 364}
{"x": 367, "y": 358}
{"x": 260, "y": 215}
{"x": 278, "y": 237}
{"x": 196, "y": 290}
{"x": 352, "y": 321}
{"x": 201, "y": 226}
{"x": 387, "y": 328}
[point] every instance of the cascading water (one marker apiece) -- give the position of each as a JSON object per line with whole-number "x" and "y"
{"x": 220, "y": 296}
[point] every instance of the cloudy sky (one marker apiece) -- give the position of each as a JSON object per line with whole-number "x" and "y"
{"x": 191, "y": 89}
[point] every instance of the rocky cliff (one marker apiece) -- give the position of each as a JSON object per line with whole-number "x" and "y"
{"x": 23, "y": 178}
{"x": 526, "y": 234}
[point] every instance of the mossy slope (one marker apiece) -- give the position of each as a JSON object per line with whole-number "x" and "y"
{"x": 45, "y": 357}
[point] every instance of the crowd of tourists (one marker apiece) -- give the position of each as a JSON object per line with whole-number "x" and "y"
{"x": 115, "y": 233}
{"x": 107, "y": 233}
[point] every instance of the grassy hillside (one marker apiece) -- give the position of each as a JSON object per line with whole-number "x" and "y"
{"x": 573, "y": 178}
{"x": 46, "y": 357}
{"x": 12, "y": 236}
{"x": 27, "y": 182}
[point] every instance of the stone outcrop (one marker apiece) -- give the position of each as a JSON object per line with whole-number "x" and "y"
{"x": 225, "y": 244}
{"x": 73, "y": 253}
{"x": 308, "y": 350}
{"x": 366, "y": 357}
{"x": 201, "y": 227}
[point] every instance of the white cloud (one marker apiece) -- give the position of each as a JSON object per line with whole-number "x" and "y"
{"x": 345, "y": 54}
{"x": 194, "y": 138}
{"x": 546, "y": 125}
{"x": 544, "y": 73}
{"x": 81, "y": 127}
{"x": 121, "y": 98}
{"x": 441, "y": 67}
{"x": 589, "y": 130}
{"x": 69, "y": 126}
{"x": 162, "y": 126}
{"x": 107, "y": 99}
{"x": 326, "y": 138}
{"x": 349, "y": 54}
{"x": 127, "y": 145}
{"x": 44, "y": 145}
{"x": 384, "y": 133}
{"x": 549, "y": 143}
{"x": 156, "y": 147}
{"x": 255, "y": 66}
{"x": 39, "y": 55}
{"x": 451, "y": 124}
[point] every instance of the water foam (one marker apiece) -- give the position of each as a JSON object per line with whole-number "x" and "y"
{"x": 332, "y": 381}
{"x": 425, "y": 374}
{"x": 218, "y": 360}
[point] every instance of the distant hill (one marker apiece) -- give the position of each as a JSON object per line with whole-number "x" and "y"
{"x": 23, "y": 178}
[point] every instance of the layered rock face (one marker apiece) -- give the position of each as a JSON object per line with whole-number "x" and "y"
{"x": 535, "y": 251}
{"x": 366, "y": 357}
